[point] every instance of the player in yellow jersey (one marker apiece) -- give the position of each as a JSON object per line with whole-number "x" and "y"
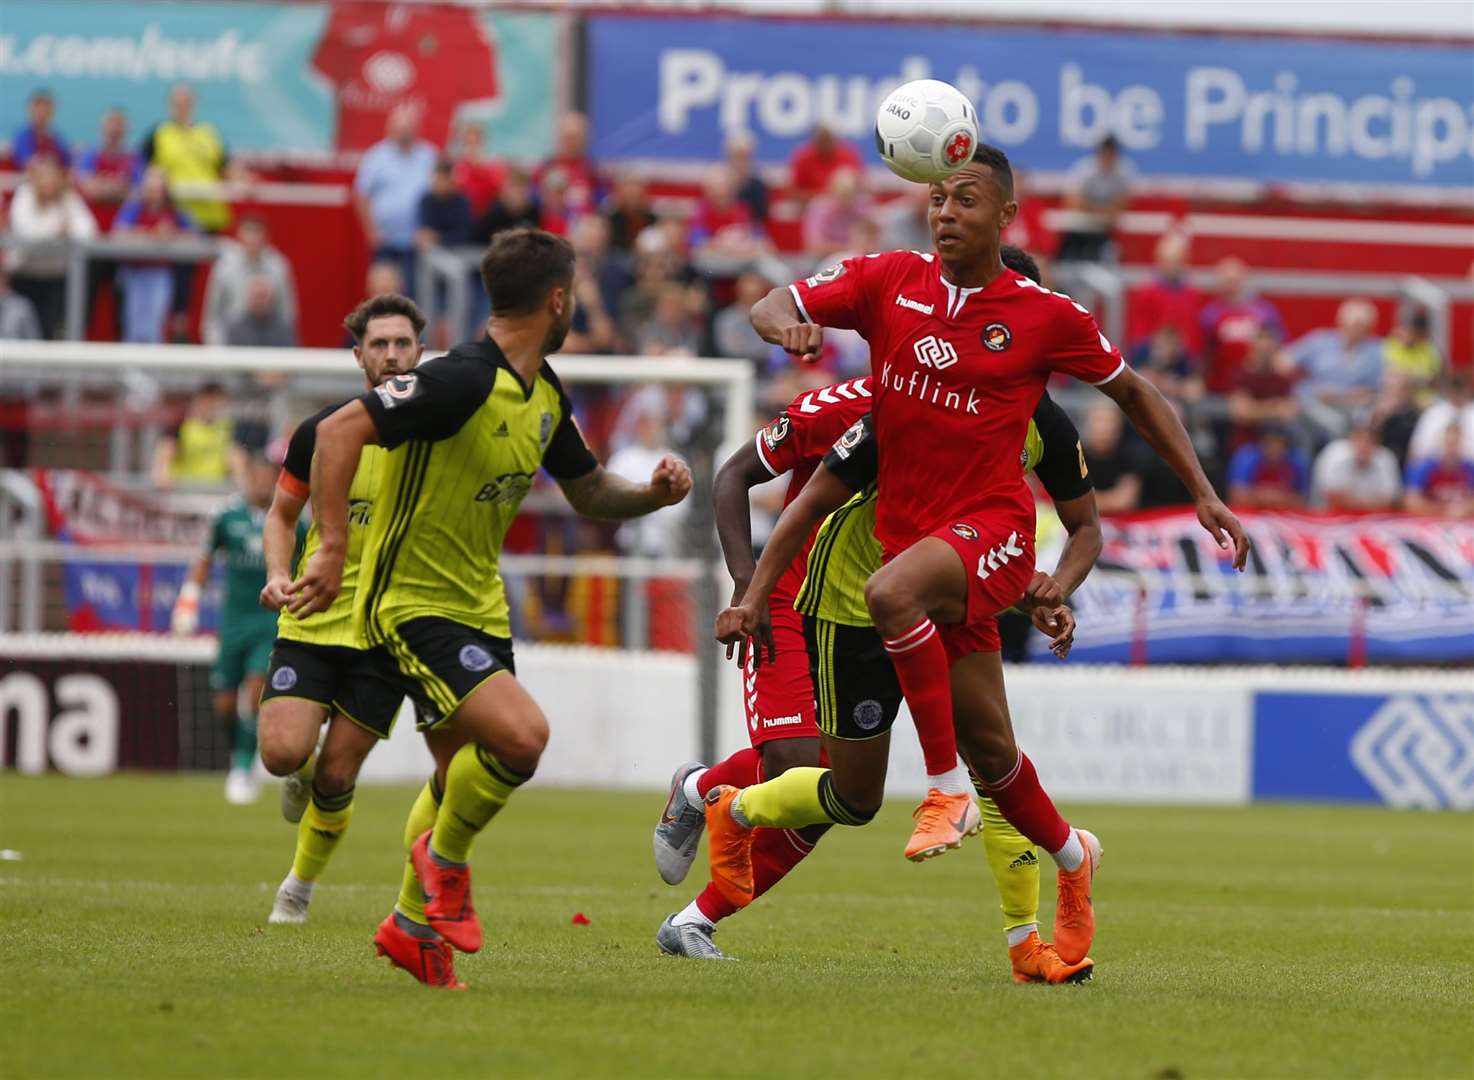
{"x": 466, "y": 434}
{"x": 321, "y": 667}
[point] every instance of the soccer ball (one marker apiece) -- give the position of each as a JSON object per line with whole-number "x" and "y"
{"x": 926, "y": 130}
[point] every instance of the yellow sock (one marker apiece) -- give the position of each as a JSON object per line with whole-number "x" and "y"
{"x": 477, "y": 785}
{"x": 318, "y": 833}
{"x": 797, "y": 798}
{"x": 411, "y": 903}
{"x": 1015, "y": 866}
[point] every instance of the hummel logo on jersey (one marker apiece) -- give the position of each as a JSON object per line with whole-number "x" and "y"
{"x": 914, "y": 305}
{"x": 1028, "y": 858}
{"x": 502, "y": 431}
{"x": 935, "y": 352}
{"x": 999, "y": 556}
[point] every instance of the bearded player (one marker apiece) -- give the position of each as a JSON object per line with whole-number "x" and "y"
{"x": 466, "y": 434}
{"x": 322, "y": 667}
{"x": 961, "y": 349}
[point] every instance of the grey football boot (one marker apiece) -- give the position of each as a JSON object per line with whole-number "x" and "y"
{"x": 691, "y": 939}
{"x": 679, "y": 832}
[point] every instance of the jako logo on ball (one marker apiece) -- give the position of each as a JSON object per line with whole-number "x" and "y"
{"x": 926, "y": 130}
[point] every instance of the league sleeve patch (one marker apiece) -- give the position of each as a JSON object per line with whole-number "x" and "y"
{"x": 776, "y": 432}
{"x": 852, "y": 438}
{"x": 825, "y": 276}
{"x": 398, "y": 390}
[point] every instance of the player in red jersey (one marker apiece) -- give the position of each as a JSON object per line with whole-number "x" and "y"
{"x": 961, "y": 349}
{"x": 778, "y": 694}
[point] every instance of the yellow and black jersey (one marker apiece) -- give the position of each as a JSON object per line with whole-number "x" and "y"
{"x": 465, "y": 438}
{"x": 336, "y": 625}
{"x": 845, "y": 551}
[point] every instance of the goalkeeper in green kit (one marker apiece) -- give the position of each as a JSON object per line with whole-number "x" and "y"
{"x": 246, "y": 629}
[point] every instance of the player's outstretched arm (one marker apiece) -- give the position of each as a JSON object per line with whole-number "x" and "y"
{"x": 1150, "y": 413}
{"x": 599, "y": 493}
{"x": 341, "y": 438}
{"x": 278, "y": 541}
{"x": 822, "y": 495}
{"x": 777, "y": 320}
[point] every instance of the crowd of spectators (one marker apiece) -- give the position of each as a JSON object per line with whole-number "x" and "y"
{"x": 153, "y": 194}
{"x": 1325, "y": 420}
{"x": 1342, "y": 417}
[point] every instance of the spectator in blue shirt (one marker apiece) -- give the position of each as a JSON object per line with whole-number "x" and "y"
{"x": 1341, "y": 368}
{"x": 37, "y": 137}
{"x": 445, "y": 212}
{"x": 1270, "y": 472}
{"x": 393, "y": 177}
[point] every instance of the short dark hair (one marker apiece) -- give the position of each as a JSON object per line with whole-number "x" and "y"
{"x": 42, "y": 93}
{"x": 1020, "y": 262}
{"x": 997, "y": 161}
{"x": 377, "y": 307}
{"x": 522, "y": 266}
{"x": 1110, "y": 142}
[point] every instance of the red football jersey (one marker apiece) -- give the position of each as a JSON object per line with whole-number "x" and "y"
{"x": 378, "y": 56}
{"x": 956, "y": 374}
{"x": 797, "y": 441}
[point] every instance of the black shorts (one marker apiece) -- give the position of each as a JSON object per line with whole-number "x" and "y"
{"x": 440, "y": 661}
{"x": 349, "y": 681}
{"x": 856, "y": 692}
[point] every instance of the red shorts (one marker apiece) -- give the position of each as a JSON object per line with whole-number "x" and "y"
{"x": 778, "y": 696}
{"x": 1000, "y": 564}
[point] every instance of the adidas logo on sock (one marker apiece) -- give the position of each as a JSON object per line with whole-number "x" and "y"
{"x": 1028, "y": 858}
{"x": 502, "y": 431}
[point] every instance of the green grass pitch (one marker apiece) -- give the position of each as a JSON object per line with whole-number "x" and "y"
{"x": 1273, "y": 941}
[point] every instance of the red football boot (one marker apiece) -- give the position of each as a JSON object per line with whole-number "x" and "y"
{"x": 427, "y": 959}
{"x": 447, "y": 897}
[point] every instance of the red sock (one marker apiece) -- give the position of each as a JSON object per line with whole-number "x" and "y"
{"x": 1028, "y": 809}
{"x": 774, "y": 853}
{"x": 920, "y": 660}
{"x": 742, "y": 769}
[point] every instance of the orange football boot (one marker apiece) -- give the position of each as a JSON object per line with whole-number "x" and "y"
{"x": 942, "y": 823}
{"x": 427, "y": 959}
{"x": 728, "y": 847}
{"x": 447, "y": 897}
{"x": 1036, "y": 961}
{"x": 1074, "y": 914}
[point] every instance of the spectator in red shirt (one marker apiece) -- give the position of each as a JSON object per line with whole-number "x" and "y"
{"x": 1263, "y": 390}
{"x": 148, "y": 286}
{"x": 1167, "y": 299}
{"x": 817, "y": 160}
{"x": 1269, "y": 472}
{"x": 107, "y": 172}
{"x": 570, "y": 170}
{"x": 830, "y": 219}
{"x": 1230, "y": 323}
{"x": 723, "y": 225}
{"x": 1443, "y": 485}
{"x": 478, "y": 177}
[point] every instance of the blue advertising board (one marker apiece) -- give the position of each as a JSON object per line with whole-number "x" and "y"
{"x": 1410, "y": 750}
{"x": 1191, "y": 106}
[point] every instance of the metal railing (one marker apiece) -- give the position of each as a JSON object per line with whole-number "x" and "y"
{"x": 183, "y": 248}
